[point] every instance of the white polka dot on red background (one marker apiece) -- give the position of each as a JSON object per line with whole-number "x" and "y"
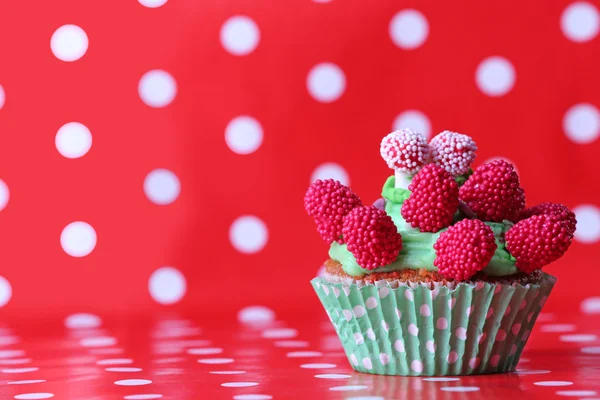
{"x": 240, "y": 35}
{"x": 581, "y": 123}
{"x": 69, "y": 43}
{"x": 252, "y": 397}
{"x": 414, "y": 120}
{"x": 157, "y": 88}
{"x": 580, "y": 21}
{"x": 588, "y": 223}
{"x": 248, "y": 234}
{"x": 143, "y": 396}
{"x": 256, "y": 314}
{"x": 167, "y": 285}
{"x": 152, "y": 3}
{"x": 162, "y": 186}
{"x": 331, "y": 170}
{"x": 83, "y": 321}
{"x": 591, "y": 305}
{"x": 243, "y": 135}
{"x": 78, "y": 239}
{"x": 5, "y": 291}
{"x": 495, "y": 76}
{"x": 133, "y": 382}
{"x": 409, "y": 29}
{"x": 73, "y": 140}
{"x": 2, "y": 96}
{"x": 326, "y": 82}
{"x": 33, "y": 396}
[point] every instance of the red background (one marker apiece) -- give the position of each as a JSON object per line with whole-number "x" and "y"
{"x": 135, "y": 237}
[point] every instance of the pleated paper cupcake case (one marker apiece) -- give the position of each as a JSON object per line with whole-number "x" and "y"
{"x": 412, "y": 329}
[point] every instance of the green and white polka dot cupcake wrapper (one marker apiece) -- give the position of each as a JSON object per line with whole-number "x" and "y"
{"x": 396, "y": 329}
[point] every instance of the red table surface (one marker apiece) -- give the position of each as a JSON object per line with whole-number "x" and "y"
{"x": 174, "y": 356}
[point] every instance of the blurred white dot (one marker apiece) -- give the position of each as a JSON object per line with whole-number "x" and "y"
{"x": 69, "y": 43}
{"x": 409, "y": 29}
{"x": 167, "y": 285}
{"x": 27, "y": 382}
{"x": 460, "y": 389}
{"x": 578, "y": 338}
{"x": 152, "y": 3}
{"x": 98, "y": 341}
{"x": 331, "y": 170}
{"x": 78, "y": 239}
{"x": 133, "y": 382}
{"x": 243, "y": 135}
{"x": 415, "y": 120}
{"x": 577, "y": 393}
{"x": 240, "y": 35}
{"x": 580, "y": 21}
{"x": 256, "y": 314}
{"x": 322, "y": 1}
{"x": 157, "y": 88}
{"x": 2, "y": 96}
{"x": 162, "y": 186}
{"x": 581, "y": 123}
{"x": 279, "y": 333}
{"x": 5, "y": 291}
{"x": 4, "y": 195}
{"x": 248, "y": 234}
{"x": 82, "y": 321}
{"x": 143, "y": 396}
{"x": 73, "y": 140}
{"x": 495, "y": 76}
{"x": 588, "y": 223}
{"x": 34, "y": 396}
{"x": 252, "y": 397}
{"x": 326, "y": 82}
{"x": 591, "y": 305}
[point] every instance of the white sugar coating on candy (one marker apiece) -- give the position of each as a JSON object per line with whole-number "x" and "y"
{"x": 453, "y": 151}
{"x": 405, "y": 150}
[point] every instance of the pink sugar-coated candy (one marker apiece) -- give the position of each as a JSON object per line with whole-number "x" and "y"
{"x": 453, "y": 151}
{"x": 559, "y": 211}
{"x": 405, "y": 150}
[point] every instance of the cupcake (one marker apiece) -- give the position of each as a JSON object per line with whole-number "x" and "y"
{"x": 443, "y": 274}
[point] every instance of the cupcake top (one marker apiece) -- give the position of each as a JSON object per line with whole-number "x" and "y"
{"x": 439, "y": 215}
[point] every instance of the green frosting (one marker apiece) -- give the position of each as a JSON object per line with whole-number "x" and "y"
{"x": 417, "y": 247}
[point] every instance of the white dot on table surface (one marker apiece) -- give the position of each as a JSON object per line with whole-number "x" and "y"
{"x": 291, "y": 343}
{"x": 152, "y": 4}
{"x": 326, "y": 82}
{"x": 248, "y": 234}
{"x": 26, "y": 382}
{"x": 365, "y": 398}
{"x": 5, "y": 291}
{"x": 591, "y": 305}
{"x": 243, "y": 135}
{"x": 167, "y": 285}
{"x": 216, "y": 360}
{"x": 2, "y": 96}
{"x": 440, "y": 379}
{"x": 11, "y": 353}
{"x": 553, "y": 383}
{"x": 162, "y": 186}
{"x": 415, "y": 120}
{"x": 588, "y": 223}
{"x": 240, "y": 35}
{"x": 347, "y": 388}
{"x": 252, "y": 397}
{"x": 331, "y": 170}
{"x": 581, "y": 123}
{"x": 227, "y": 372}
{"x": 239, "y": 384}
{"x": 318, "y": 366}
{"x": 107, "y": 351}
{"x": 123, "y": 369}
{"x": 83, "y": 321}
{"x": 99, "y": 341}
{"x": 460, "y": 388}
{"x": 4, "y": 194}
{"x": 78, "y": 239}
{"x": 578, "y": 338}
{"x": 69, "y": 43}
{"x": 19, "y": 370}
{"x": 558, "y": 328}
{"x": 409, "y": 29}
{"x": 33, "y": 396}
{"x": 205, "y": 351}
{"x": 576, "y": 393}
{"x": 331, "y": 376}
{"x": 157, "y": 88}
{"x": 73, "y": 140}
{"x": 590, "y": 350}
{"x": 115, "y": 361}
{"x": 301, "y": 354}
{"x": 256, "y": 314}
{"x": 580, "y": 21}
{"x": 133, "y": 382}
{"x": 532, "y": 371}
{"x": 495, "y": 76}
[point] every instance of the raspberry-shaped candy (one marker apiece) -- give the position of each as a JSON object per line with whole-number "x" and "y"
{"x": 464, "y": 249}
{"x": 371, "y": 237}
{"x": 493, "y": 192}
{"x": 328, "y": 201}
{"x": 538, "y": 240}
{"x": 405, "y": 150}
{"x": 559, "y": 211}
{"x": 453, "y": 151}
{"x": 433, "y": 199}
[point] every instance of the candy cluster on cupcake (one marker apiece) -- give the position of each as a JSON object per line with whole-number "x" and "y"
{"x": 438, "y": 219}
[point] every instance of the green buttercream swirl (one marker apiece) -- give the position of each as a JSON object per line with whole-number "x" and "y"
{"x": 417, "y": 247}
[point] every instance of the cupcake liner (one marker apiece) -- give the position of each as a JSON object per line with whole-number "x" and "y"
{"x": 418, "y": 329}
